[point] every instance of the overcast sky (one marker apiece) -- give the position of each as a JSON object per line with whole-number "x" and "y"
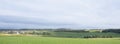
{"x": 59, "y": 13}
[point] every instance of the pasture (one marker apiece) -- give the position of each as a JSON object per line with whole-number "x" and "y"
{"x": 55, "y": 40}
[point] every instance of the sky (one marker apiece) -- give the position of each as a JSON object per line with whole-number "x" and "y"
{"x": 60, "y": 14}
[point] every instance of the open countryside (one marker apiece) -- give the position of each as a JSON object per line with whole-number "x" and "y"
{"x": 59, "y": 21}
{"x": 59, "y": 36}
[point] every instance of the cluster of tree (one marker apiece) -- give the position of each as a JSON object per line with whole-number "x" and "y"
{"x": 102, "y": 31}
{"x": 40, "y": 33}
{"x": 112, "y": 30}
{"x": 68, "y": 30}
{"x": 95, "y": 36}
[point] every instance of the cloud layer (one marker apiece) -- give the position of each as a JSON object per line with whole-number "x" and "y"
{"x": 59, "y": 14}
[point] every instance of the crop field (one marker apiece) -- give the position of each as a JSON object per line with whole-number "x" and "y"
{"x": 55, "y": 40}
{"x": 81, "y": 35}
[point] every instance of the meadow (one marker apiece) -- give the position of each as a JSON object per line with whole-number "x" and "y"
{"x": 55, "y": 40}
{"x": 60, "y": 37}
{"x": 83, "y": 34}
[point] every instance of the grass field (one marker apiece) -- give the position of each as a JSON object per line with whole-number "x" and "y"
{"x": 81, "y": 35}
{"x": 53, "y": 40}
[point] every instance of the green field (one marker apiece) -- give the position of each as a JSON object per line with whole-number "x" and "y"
{"x": 53, "y": 40}
{"x": 81, "y": 35}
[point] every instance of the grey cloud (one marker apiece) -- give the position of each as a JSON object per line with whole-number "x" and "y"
{"x": 71, "y": 13}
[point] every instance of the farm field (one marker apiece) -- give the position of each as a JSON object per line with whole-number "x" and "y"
{"x": 81, "y": 35}
{"x": 54, "y": 40}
